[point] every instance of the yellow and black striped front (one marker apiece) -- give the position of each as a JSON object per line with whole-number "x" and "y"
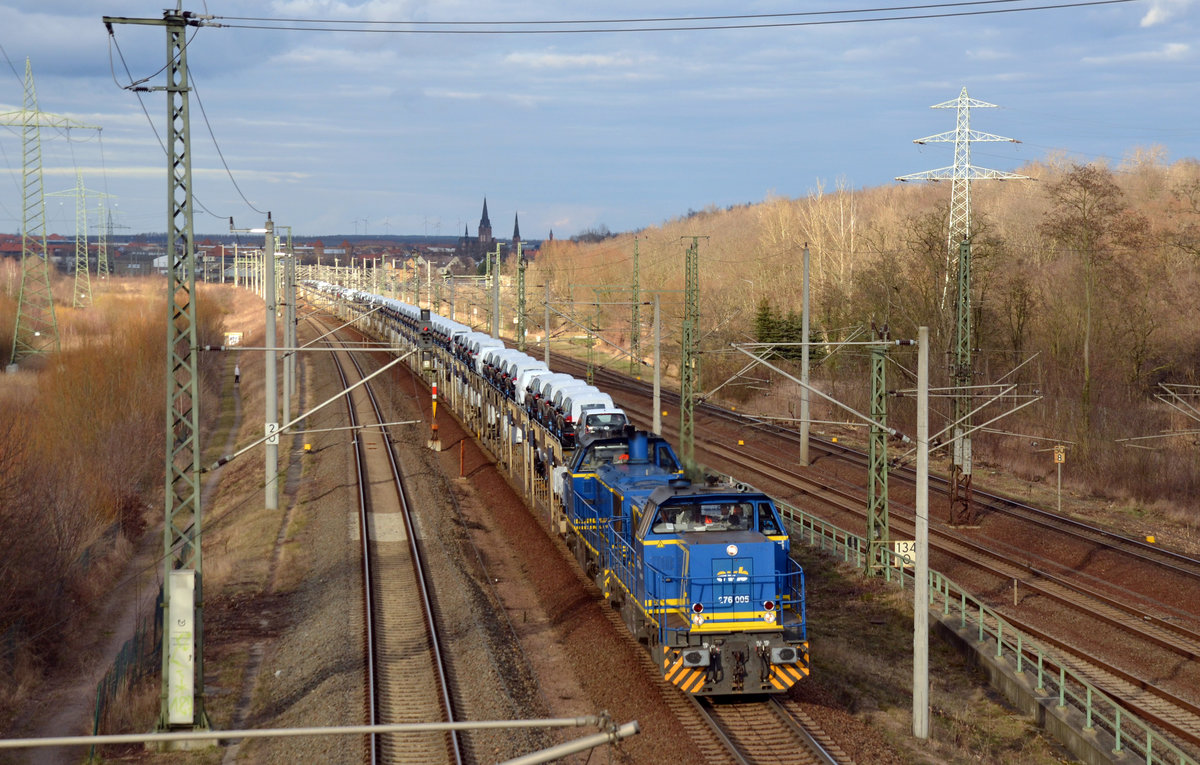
{"x": 690, "y": 679}
{"x": 682, "y": 667}
{"x": 784, "y": 676}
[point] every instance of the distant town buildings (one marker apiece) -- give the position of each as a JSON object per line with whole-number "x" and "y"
{"x": 146, "y": 254}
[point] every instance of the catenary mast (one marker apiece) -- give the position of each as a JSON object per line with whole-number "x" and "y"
{"x": 182, "y": 694}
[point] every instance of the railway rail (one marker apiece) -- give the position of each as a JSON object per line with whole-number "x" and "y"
{"x": 408, "y": 676}
{"x": 704, "y": 737}
{"x": 773, "y": 731}
{"x": 1154, "y": 664}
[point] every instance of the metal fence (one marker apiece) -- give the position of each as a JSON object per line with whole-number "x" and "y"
{"x": 139, "y": 658}
{"x": 1055, "y": 675}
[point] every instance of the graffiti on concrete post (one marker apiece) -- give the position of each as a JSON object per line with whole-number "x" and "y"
{"x": 181, "y": 644}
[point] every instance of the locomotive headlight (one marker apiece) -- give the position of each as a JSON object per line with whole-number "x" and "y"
{"x": 769, "y": 617}
{"x": 697, "y": 619}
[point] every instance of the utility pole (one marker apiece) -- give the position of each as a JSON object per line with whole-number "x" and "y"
{"x": 271, "y": 375}
{"x": 496, "y": 294}
{"x": 805, "y": 424}
{"x": 656, "y": 427}
{"x": 36, "y": 328}
{"x": 546, "y": 303}
{"x": 921, "y": 580}
{"x": 289, "y": 283}
{"x": 961, "y": 173}
{"x": 593, "y": 330}
{"x": 182, "y": 699}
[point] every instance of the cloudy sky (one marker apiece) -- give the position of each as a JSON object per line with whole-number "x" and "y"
{"x": 369, "y": 127}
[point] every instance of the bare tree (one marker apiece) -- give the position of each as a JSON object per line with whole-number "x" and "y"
{"x": 1090, "y": 221}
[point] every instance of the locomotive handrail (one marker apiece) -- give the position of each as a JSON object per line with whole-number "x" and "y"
{"x": 618, "y": 554}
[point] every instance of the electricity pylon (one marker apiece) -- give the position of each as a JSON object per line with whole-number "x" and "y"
{"x": 83, "y": 281}
{"x": 81, "y": 295}
{"x": 958, "y": 252}
{"x": 878, "y": 525}
{"x": 36, "y": 329}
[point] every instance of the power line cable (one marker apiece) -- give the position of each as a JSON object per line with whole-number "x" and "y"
{"x": 16, "y": 74}
{"x": 502, "y": 27}
{"x": 643, "y": 20}
{"x": 221, "y": 154}
{"x": 135, "y": 88}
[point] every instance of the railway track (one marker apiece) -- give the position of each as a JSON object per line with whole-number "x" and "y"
{"x": 770, "y": 732}
{"x": 784, "y": 735}
{"x": 1154, "y": 664}
{"x": 408, "y": 676}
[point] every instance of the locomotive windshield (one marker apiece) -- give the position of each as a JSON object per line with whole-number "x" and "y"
{"x": 601, "y": 454}
{"x": 715, "y": 515}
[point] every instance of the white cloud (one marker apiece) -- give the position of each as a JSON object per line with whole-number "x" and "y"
{"x": 1168, "y": 52}
{"x": 455, "y": 95}
{"x": 339, "y": 59}
{"x": 158, "y": 172}
{"x": 552, "y": 60}
{"x": 520, "y": 99}
{"x": 989, "y": 54}
{"x": 376, "y": 10}
{"x": 1162, "y": 11}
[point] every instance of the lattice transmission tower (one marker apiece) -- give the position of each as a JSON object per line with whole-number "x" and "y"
{"x": 958, "y": 261}
{"x": 36, "y": 329}
{"x": 83, "y": 281}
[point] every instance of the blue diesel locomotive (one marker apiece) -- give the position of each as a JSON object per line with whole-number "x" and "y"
{"x": 701, "y": 573}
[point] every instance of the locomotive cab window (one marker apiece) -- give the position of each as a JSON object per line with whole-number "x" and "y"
{"x": 704, "y": 516}
{"x": 665, "y": 460}
{"x": 767, "y": 523}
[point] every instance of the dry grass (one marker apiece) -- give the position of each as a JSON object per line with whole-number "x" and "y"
{"x": 82, "y": 460}
{"x": 860, "y": 632}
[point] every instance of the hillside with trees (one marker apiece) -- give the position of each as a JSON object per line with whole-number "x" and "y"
{"x": 1080, "y": 292}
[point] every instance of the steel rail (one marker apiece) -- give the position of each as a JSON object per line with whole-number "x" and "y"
{"x": 439, "y": 660}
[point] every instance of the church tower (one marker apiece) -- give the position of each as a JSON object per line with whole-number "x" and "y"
{"x": 486, "y": 242}
{"x": 516, "y": 233}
